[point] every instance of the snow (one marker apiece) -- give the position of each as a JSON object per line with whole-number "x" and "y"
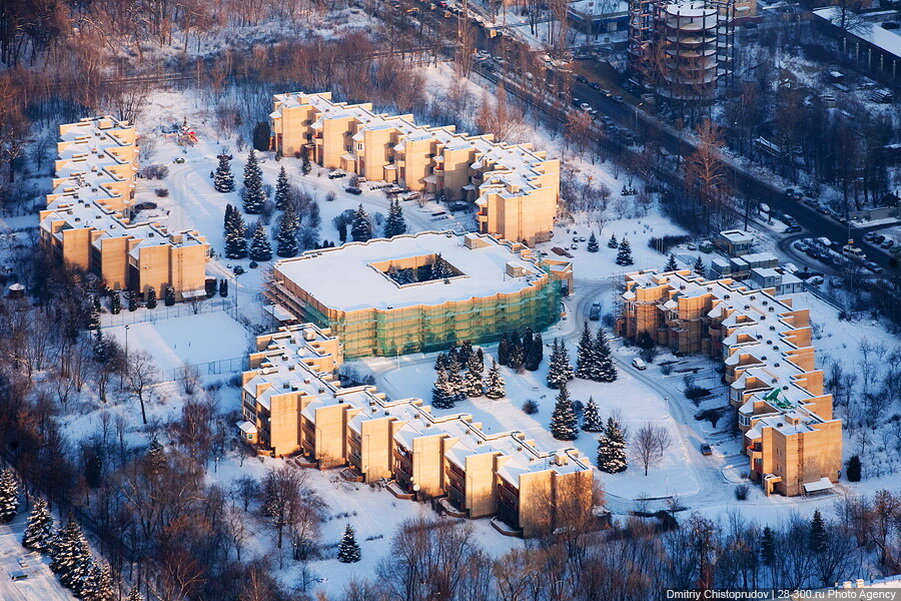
{"x": 882, "y": 38}
{"x": 41, "y": 583}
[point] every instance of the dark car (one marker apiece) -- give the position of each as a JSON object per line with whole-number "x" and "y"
{"x": 594, "y": 314}
{"x": 793, "y": 229}
{"x": 705, "y": 449}
{"x": 353, "y": 190}
{"x": 581, "y": 79}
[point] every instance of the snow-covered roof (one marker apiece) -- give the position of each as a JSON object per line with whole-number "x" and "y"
{"x": 888, "y": 40}
{"x": 357, "y": 280}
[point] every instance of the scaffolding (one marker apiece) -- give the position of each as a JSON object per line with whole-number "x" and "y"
{"x": 683, "y": 49}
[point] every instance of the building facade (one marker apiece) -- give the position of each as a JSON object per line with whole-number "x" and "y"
{"x": 514, "y": 186}
{"x": 380, "y": 298}
{"x": 791, "y": 438}
{"x": 293, "y": 404}
{"x": 87, "y": 222}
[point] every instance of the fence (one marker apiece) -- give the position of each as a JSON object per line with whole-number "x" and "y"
{"x": 228, "y": 367}
{"x": 162, "y": 312}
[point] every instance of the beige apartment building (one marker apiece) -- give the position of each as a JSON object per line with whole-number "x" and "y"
{"x": 793, "y": 442}
{"x": 492, "y": 287}
{"x": 293, "y": 404}
{"x": 87, "y": 220}
{"x": 515, "y": 187}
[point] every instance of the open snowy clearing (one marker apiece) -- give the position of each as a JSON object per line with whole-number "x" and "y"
{"x": 41, "y": 584}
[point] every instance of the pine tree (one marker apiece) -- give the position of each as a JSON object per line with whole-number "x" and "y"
{"x": 612, "y": 243}
{"x": 169, "y": 298}
{"x": 105, "y": 588}
{"x": 593, "y": 246}
{"x": 253, "y": 195}
{"x": 671, "y": 264}
{"x": 516, "y": 357}
{"x": 135, "y": 595}
{"x": 624, "y": 256}
{"x": 591, "y": 419}
{"x": 151, "y": 298}
{"x": 94, "y": 313}
{"x": 563, "y": 419}
{"x": 768, "y": 547}
{"x": 559, "y": 370}
{"x": 360, "y": 228}
{"x": 282, "y": 190}
{"x": 132, "y": 300}
{"x": 305, "y": 166}
{"x": 260, "y": 249}
{"x": 854, "y": 469}
{"x": 115, "y": 303}
{"x": 288, "y": 226}
{"x": 441, "y": 269}
{"x": 503, "y": 350}
{"x": 223, "y": 180}
{"x": 442, "y": 394}
{"x": 534, "y": 354}
{"x": 456, "y": 380}
{"x": 474, "y": 384}
{"x": 395, "y": 225}
{"x": 235, "y": 235}
{"x": 71, "y": 557}
{"x": 585, "y": 355}
{"x": 494, "y": 383}
{"x": 819, "y": 537}
{"x": 605, "y": 368}
{"x": 39, "y": 531}
{"x": 348, "y": 549}
{"x": 9, "y": 496}
{"x": 612, "y": 449}
{"x": 223, "y": 287}
{"x": 699, "y": 267}
{"x": 441, "y": 361}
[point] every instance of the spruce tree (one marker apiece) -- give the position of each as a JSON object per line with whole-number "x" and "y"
{"x": 288, "y": 227}
{"x": 768, "y": 547}
{"x": 612, "y": 243}
{"x": 612, "y": 449}
{"x": 503, "y": 350}
{"x": 591, "y": 419}
{"x": 282, "y": 190}
{"x": 699, "y": 267}
{"x": 395, "y": 225}
{"x": 605, "y": 368}
{"x": 535, "y": 354}
{"x": 516, "y": 357}
{"x": 93, "y": 321}
{"x": 115, "y": 302}
{"x": 474, "y": 385}
{"x": 819, "y": 537}
{"x": 132, "y": 300}
{"x": 585, "y": 356}
{"x": 348, "y": 549}
{"x": 854, "y": 469}
{"x": 9, "y": 496}
{"x": 441, "y": 361}
{"x": 305, "y": 166}
{"x": 72, "y": 557}
{"x": 559, "y": 370}
{"x": 169, "y": 298}
{"x": 494, "y": 383}
{"x": 456, "y": 381}
{"x": 360, "y": 228}
{"x": 260, "y": 249}
{"x": 151, "y": 298}
{"x": 135, "y": 595}
{"x": 442, "y": 394}
{"x": 253, "y": 195}
{"x": 593, "y": 246}
{"x": 223, "y": 180}
{"x": 563, "y": 420}
{"x": 624, "y": 256}
{"x": 39, "y": 531}
{"x": 671, "y": 264}
{"x": 235, "y": 235}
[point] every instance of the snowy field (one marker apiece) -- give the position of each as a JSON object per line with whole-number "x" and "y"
{"x": 41, "y": 584}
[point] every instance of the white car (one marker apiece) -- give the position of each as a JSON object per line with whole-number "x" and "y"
{"x": 638, "y": 363}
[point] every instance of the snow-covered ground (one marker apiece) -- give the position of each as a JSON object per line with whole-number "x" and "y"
{"x": 41, "y": 584}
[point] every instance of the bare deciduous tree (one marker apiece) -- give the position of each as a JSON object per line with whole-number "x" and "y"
{"x": 649, "y": 444}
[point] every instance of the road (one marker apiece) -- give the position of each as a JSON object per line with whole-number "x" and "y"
{"x": 41, "y": 584}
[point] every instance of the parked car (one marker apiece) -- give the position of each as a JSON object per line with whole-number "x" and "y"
{"x": 336, "y": 174}
{"x": 618, "y": 99}
{"x": 581, "y": 79}
{"x": 179, "y": 160}
{"x": 638, "y": 363}
{"x": 815, "y": 280}
{"x": 887, "y": 244}
{"x": 594, "y": 314}
{"x": 706, "y": 449}
{"x": 764, "y": 208}
{"x": 793, "y": 229}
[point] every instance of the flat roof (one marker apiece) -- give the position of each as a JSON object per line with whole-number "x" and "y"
{"x": 353, "y": 283}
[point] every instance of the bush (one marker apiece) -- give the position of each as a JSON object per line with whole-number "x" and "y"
{"x": 663, "y": 244}
{"x": 162, "y": 192}
{"x": 530, "y": 407}
{"x": 235, "y": 381}
{"x": 854, "y": 469}
{"x": 741, "y": 492}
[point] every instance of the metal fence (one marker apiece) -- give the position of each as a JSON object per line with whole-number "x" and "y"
{"x": 228, "y": 367}
{"x": 162, "y": 312}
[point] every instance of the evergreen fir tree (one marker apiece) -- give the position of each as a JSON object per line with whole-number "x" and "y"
{"x": 442, "y": 394}
{"x": 395, "y": 225}
{"x": 480, "y": 356}
{"x": 699, "y": 267}
{"x": 39, "y": 531}
{"x": 535, "y": 354}
{"x": 612, "y": 243}
{"x": 235, "y": 235}
{"x": 494, "y": 383}
{"x": 71, "y": 556}
{"x": 94, "y": 313}
{"x": 819, "y": 537}
{"x": 593, "y": 246}
{"x": 135, "y": 595}
{"x": 441, "y": 269}
{"x": 223, "y": 180}
{"x": 305, "y": 166}
{"x": 132, "y": 300}
{"x": 591, "y": 419}
{"x": 563, "y": 419}
{"x": 768, "y": 547}
{"x": 151, "y": 298}
{"x": 671, "y": 264}
{"x": 516, "y": 357}
{"x": 604, "y": 365}
{"x": 503, "y": 350}
{"x": 9, "y": 496}
{"x": 282, "y": 191}
{"x": 612, "y": 449}
{"x": 360, "y": 228}
{"x": 559, "y": 370}
{"x": 169, "y": 298}
{"x": 288, "y": 227}
{"x": 106, "y": 589}
{"x": 585, "y": 355}
{"x": 228, "y": 213}
{"x": 253, "y": 195}
{"x": 115, "y": 302}
{"x": 456, "y": 381}
{"x": 223, "y": 288}
{"x": 474, "y": 385}
{"x": 464, "y": 353}
{"x": 624, "y": 256}
{"x": 348, "y": 549}
{"x": 260, "y": 249}
{"x": 854, "y": 469}
{"x": 441, "y": 361}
